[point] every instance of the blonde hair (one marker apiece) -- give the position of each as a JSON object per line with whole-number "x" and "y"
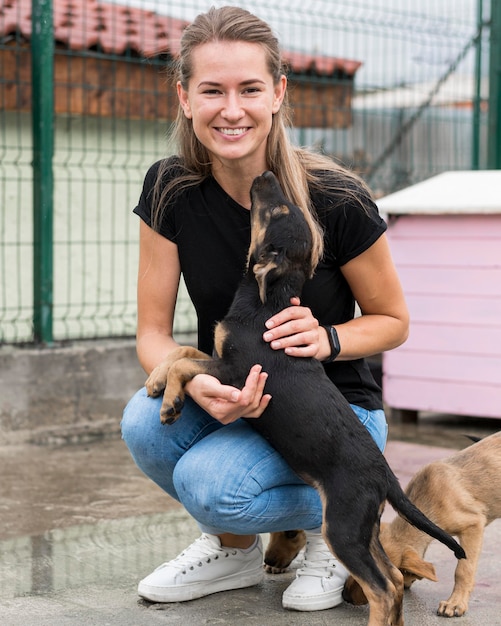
{"x": 296, "y": 168}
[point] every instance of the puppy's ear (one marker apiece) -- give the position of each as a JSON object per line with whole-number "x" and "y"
{"x": 275, "y": 259}
{"x": 279, "y": 211}
{"x": 261, "y": 271}
{"x": 417, "y": 568}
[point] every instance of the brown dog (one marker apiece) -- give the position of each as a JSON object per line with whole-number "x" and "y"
{"x": 462, "y": 494}
{"x": 308, "y": 420}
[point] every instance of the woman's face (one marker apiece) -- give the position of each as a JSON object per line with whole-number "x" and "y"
{"x": 230, "y": 100}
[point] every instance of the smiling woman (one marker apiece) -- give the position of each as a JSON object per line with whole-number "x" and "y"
{"x": 230, "y": 99}
{"x": 233, "y": 124}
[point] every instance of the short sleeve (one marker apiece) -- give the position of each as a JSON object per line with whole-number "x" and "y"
{"x": 351, "y": 221}
{"x": 144, "y": 207}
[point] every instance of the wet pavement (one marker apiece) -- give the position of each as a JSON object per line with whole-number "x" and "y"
{"x": 79, "y": 525}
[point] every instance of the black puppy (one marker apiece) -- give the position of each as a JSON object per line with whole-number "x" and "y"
{"x": 308, "y": 420}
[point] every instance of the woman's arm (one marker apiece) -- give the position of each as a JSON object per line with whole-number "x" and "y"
{"x": 384, "y": 323}
{"x": 157, "y": 286}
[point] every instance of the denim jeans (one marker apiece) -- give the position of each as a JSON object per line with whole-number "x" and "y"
{"x": 228, "y": 478}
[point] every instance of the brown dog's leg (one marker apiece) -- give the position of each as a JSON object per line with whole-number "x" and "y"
{"x": 464, "y": 577}
{"x": 282, "y": 550}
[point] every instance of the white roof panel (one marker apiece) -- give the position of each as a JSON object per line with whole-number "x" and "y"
{"x": 458, "y": 192}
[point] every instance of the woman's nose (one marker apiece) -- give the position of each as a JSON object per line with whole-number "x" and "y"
{"x": 232, "y": 108}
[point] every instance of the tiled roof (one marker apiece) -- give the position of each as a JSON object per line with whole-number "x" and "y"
{"x": 115, "y": 28}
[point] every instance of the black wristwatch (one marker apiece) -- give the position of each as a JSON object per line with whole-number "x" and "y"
{"x": 334, "y": 343}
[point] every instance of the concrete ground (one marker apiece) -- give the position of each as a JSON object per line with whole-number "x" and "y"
{"x": 79, "y": 525}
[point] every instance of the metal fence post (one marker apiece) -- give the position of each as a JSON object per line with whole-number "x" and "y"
{"x": 494, "y": 116}
{"x": 42, "y": 83}
{"x": 477, "y": 98}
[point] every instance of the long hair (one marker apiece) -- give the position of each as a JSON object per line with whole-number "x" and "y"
{"x": 296, "y": 168}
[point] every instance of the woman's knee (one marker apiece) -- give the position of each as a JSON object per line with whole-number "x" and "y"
{"x": 155, "y": 447}
{"x": 214, "y": 478}
{"x": 140, "y": 413}
{"x": 144, "y": 434}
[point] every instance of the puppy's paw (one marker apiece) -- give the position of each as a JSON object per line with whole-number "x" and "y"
{"x": 171, "y": 411}
{"x": 452, "y": 609}
{"x": 157, "y": 381}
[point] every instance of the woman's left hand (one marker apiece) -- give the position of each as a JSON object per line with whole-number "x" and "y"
{"x": 294, "y": 330}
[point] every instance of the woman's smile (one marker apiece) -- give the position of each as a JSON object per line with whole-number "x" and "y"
{"x": 233, "y": 132}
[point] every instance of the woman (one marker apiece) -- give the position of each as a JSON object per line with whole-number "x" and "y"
{"x": 194, "y": 208}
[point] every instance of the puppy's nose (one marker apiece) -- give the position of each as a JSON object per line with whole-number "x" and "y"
{"x": 265, "y": 186}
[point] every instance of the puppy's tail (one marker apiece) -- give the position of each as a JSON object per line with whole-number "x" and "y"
{"x": 406, "y": 509}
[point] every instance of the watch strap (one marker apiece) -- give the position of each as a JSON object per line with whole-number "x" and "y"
{"x": 334, "y": 344}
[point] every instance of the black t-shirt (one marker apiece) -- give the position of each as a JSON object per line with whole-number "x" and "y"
{"x": 212, "y": 233}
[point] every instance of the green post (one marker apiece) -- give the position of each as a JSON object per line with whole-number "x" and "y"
{"x": 477, "y": 99}
{"x": 494, "y": 116}
{"x": 42, "y": 84}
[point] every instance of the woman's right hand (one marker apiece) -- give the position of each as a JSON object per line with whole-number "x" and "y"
{"x": 226, "y": 403}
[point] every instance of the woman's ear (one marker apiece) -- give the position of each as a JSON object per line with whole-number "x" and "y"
{"x": 183, "y": 100}
{"x": 279, "y": 93}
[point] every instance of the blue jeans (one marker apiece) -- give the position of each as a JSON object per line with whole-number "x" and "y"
{"x": 228, "y": 478}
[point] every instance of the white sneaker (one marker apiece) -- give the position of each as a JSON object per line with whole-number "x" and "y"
{"x": 203, "y": 568}
{"x": 319, "y": 582}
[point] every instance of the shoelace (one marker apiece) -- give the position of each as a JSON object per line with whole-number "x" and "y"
{"x": 318, "y": 560}
{"x": 201, "y": 551}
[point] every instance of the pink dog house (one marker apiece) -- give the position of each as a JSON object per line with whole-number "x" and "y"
{"x": 445, "y": 237}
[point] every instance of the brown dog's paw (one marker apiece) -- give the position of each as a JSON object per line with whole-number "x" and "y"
{"x": 452, "y": 609}
{"x": 282, "y": 550}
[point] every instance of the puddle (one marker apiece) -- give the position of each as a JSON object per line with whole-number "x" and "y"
{"x": 112, "y": 550}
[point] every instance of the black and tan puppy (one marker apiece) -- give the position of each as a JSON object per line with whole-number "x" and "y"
{"x": 308, "y": 420}
{"x": 462, "y": 494}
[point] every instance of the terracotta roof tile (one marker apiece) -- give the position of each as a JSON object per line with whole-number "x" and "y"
{"x": 115, "y": 28}
{"x": 301, "y": 62}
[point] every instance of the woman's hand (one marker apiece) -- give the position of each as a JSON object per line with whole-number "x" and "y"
{"x": 226, "y": 403}
{"x": 296, "y": 331}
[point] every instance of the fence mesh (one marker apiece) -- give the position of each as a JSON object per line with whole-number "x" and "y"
{"x": 414, "y": 108}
